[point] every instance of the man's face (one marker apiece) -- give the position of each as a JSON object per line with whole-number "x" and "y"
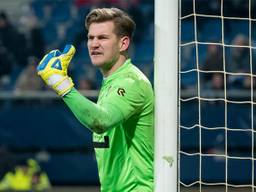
{"x": 103, "y": 44}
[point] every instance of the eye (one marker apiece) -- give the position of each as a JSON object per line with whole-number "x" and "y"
{"x": 103, "y": 37}
{"x": 90, "y": 37}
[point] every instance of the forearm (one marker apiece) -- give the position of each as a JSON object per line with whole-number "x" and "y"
{"x": 97, "y": 118}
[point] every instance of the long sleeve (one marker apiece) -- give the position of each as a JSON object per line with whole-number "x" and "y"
{"x": 96, "y": 117}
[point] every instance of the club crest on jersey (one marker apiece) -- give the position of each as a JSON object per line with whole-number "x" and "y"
{"x": 120, "y": 91}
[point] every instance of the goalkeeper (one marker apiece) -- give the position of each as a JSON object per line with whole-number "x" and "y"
{"x": 122, "y": 121}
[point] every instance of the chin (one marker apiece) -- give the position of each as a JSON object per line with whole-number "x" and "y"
{"x": 97, "y": 63}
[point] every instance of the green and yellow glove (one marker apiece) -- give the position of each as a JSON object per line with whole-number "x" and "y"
{"x": 53, "y": 69}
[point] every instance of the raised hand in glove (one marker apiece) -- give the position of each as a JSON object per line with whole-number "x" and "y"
{"x": 53, "y": 69}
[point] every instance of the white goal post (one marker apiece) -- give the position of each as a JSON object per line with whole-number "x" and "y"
{"x": 166, "y": 94}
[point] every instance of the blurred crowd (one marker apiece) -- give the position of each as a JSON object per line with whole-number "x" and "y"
{"x": 225, "y": 55}
{"x": 44, "y": 25}
{"x": 19, "y": 53}
{"x": 25, "y": 176}
{"x": 237, "y": 66}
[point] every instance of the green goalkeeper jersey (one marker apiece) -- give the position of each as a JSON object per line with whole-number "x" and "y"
{"x": 122, "y": 122}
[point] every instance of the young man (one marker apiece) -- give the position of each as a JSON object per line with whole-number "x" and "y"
{"x": 122, "y": 121}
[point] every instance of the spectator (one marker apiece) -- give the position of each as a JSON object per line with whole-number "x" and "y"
{"x": 239, "y": 62}
{"x": 214, "y": 66}
{"x": 6, "y": 67}
{"x": 7, "y": 45}
{"x": 5, "y": 183}
{"x": 36, "y": 41}
{"x": 14, "y": 42}
{"x": 18, "y": 180}
{"x": 40, "y": 181}
{"x": 25, "y": 177}
{"x": 8, "y": 34}
{"x": 240, "y": 55}
{"x": 28, "y": 80}
{"x": 33, "y": 166}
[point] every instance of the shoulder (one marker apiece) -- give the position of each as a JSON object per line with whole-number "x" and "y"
{"x": 134, "y": 76}
{"x": 134, "y": 84}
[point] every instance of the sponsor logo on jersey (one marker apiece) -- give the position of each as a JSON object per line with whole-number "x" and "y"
{"x": 103, "y": 142}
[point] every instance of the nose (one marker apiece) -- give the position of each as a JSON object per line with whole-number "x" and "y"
{"x": 94, "y": 43}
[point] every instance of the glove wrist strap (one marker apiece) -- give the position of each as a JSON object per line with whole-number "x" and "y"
{"x": 63, "y": 86}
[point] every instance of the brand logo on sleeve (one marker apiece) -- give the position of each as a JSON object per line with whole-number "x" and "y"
{"x": 120, "y": 91}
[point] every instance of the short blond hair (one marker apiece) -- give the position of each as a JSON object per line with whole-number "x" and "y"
{"x": 124, "y": 24}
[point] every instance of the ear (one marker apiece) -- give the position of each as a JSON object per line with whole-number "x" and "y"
{"x": 124, "y": 43}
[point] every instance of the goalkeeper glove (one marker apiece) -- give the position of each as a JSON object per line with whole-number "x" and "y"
{"x": 53, "y": 69}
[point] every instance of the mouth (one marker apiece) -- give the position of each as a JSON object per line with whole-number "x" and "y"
{"x": 95, "y": 53}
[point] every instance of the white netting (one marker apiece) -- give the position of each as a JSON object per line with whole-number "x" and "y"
{"x": 217, "y": 102}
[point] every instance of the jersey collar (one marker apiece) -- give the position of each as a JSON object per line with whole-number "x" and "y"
{"x": 119, "y": 70}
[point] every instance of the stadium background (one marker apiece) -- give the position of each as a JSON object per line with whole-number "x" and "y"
{"x": 38, "y": 125}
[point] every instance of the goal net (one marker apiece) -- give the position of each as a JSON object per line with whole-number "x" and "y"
{"x": 217, "y": 79}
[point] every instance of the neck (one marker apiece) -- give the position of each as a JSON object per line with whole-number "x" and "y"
{"x": 107, "y": 72}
